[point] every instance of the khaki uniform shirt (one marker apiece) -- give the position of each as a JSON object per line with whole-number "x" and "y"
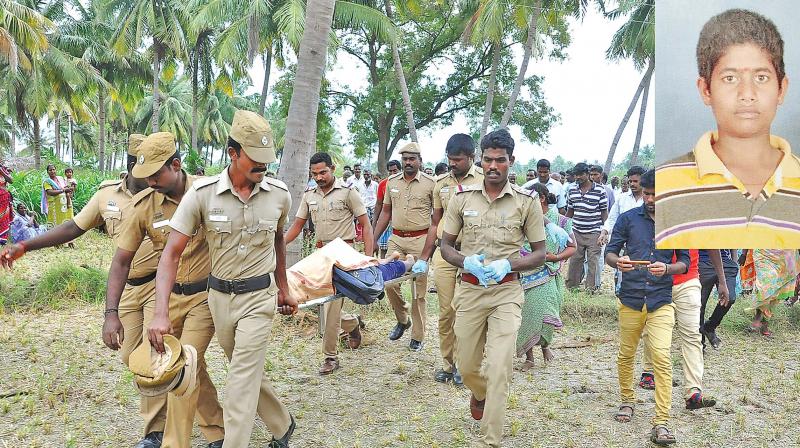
{"x": 332, "y": 212}
{"x": 240, "y": 231}
{"x": 113, "y": 204}
{"x": 152, "y": 214}
{"x": 498, "y": 228}
{"x": 412, "y": 202}
{"x": 445, "y": 190}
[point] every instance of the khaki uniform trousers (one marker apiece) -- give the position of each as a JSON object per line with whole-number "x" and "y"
{"x": 686, "y": 300}
{"x": 659, "y": 325}
{"x": 413, "y": 246}
{"x": 335, "y": 319}
{"x": 192, "y": 324}
{"x": 136, "y": 308}
{"x": 244, "y": 323}
{"x": 487, "y": 321}
{"x": 444, "y": 277}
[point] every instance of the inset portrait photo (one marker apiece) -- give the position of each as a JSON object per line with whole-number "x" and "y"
{"x": 727, "y": 117}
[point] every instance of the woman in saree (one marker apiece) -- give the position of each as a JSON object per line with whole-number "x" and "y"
{"x": 6, "y": 207}
{"x": 776, "y": 282}
{"x": 544, "y": 286}
{"x": 55, "y": 203}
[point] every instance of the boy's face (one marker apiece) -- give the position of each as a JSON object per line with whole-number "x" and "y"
{"x": 744, "y": 92}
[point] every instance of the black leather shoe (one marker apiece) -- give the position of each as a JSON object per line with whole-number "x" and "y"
{"x": 415, "y": 345}
{"x": 442, "y": 377}
{"x": 457, "y": 377}
{"x": 283, "y": 442}
{"x": 151, "y": 440}
{"x": 398, "y": 330}
{"x": 217, "y": 444}
{"x": 711, "y": 336}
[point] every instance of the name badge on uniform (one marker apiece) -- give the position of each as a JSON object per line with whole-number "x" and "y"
{"x": 159, "y": 224}
{"x": 112, "y": 208}
{"x": 312, "y": 202}
{"x": 470, "y": 213}
{"x": 445, "y": 189}
{"x": 394, "y": 190}
{"x": 217, "y": 218}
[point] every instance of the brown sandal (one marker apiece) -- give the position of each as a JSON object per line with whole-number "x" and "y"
{"x": 661, "y": 435}
{"x": 622, "y": 415}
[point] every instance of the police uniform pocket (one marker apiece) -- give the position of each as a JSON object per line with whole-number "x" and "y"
{"x": 218, "y": 232}
{"x": 510, "y": 231}
{"x": 113, "y": 221}
{"x": 159, "y": 237}
{"x": 472, "y": 227}
{"x": 339, "y": 211}
{"x": 265, "y": 232}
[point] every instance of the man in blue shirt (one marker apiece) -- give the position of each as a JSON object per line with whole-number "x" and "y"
{"x": 645, "y": 304}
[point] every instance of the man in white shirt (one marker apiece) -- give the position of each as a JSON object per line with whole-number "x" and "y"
{"x": 625, "y": 201}
{"x": 369, "y": 195}
{"x": 357, "y": 181}
{"x": 553, "y": 186}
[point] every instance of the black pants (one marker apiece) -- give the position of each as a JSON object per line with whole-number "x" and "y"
{"x": 708, "y": 281}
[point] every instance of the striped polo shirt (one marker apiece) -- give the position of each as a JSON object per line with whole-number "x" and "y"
{"x": 702, "y": 205}
{"x": 587, "y": 207}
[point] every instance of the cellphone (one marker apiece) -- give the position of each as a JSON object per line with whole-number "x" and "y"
{"x": 639, "y": 262}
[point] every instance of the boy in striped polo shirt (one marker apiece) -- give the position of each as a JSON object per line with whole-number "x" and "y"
{"x": 740, "y": 186}
{"x": 587, "y": 205}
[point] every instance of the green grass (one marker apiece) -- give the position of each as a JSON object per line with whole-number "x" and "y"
{"x": 59, "y": 287}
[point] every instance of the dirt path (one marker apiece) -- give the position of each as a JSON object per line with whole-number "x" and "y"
{"x": 74, "y": 392}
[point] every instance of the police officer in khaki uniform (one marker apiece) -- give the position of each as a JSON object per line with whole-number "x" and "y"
{"x": 460, "y": 152}
{"x": 409, "y": 203}
{"x": 332, "y": 207}
{"x": 124, "y": 320}
{"x": 242, "y": 214}
{"x": 494, "y": 220}
{"x": 189, "y": 316}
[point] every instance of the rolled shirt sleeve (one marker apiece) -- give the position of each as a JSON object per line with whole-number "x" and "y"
{"x": 188, "y": 216}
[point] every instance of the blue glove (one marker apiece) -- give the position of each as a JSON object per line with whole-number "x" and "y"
{"x": 498, "y": 269}
{"x": 474, "y": 265}
{"x": 561, "y": 235}
{"x": 419, "y": 267}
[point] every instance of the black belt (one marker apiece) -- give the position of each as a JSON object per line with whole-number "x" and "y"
{"x": 187, "y": 289}
{"x": 141, "y": 280}
{"x": 240, "y": 286}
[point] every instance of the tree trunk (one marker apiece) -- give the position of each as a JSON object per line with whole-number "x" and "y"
{"x": 262, "y": 106}
{"x": 401, "y": 80}
{"x": 624, "y": 122}
{"x": 108, "y": 159}
{"x": 195, "y": 64}
{"x": 301, "y": 123}
{"x": 642, "y": 111}
{"x": 523, "y": 68}
{"x": 71, "y": 141}
{"x": 383, "y": 143}
{"x": 37, "y": 144}
{"x": 13, "y": 136}
{"x": 487, "y": 108}
{"x": 156, "y": 125}
{"x": 57, "y": 135}
{"x": 101, "y": 125}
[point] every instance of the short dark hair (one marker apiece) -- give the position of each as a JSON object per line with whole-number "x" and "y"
{"x": 596, "y": 169}
{"x": 235, "y": 145}
{"x": 543, "y": 163}
{"x": 542, "y": 190}
{"x": 580, "y": 167}
{"x": 357, "y": 165}
{"x": 635, "y": 170}
{"x": 498, "y": 139}
{"x": 321, "y": 157}
{"x": 460, "y": 144}
{"x": 131, "y": 161}
{"x": 441, "y": 168}
{"x": 734, "y": 27}
{"x": 394, "y": 163}
{"x": 648, "y": 179}
{"x": 49, "y": 165}
{"x": 69, "y": 169}
{"x": 176, "y": 156}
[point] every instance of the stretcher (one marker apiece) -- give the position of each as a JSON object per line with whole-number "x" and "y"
{"x": 323, "y": 300}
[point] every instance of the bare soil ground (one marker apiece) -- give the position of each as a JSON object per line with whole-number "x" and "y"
{"x": 61, "y": 387}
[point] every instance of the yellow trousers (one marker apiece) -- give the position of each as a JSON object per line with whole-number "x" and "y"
{"x": 659, "y": 325}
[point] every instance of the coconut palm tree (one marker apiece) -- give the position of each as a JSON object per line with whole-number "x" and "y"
{"x": 23, "y": 34}
{"x": 175, "y": 104}
{"x": 163, "y": 21}
{"x": 401, "y": 80}
{"x": 635, "y": 40}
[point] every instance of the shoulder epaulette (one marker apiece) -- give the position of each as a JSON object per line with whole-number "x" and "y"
{"x": 428, "y": 176}
{"x": 138, "y": 197}
{"x": 525, "y": 191}
{"x": 395, "y": 176}
{"x": 442, "y": 176}
{"x": 109, "y": 183}
{"x": 309, "y": 189}
{"x": 461, "y": 188}
{"x": 276, "y": 183}
{"x": 478, "y": 169}
{"x": 205, "y": 181}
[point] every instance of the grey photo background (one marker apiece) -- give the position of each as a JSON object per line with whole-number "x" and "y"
{"x": 681, "y": 116}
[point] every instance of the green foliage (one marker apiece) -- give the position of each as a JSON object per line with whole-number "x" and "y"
{"x": 645, "y": 158}
{"x": 59, "y": 287}
{"x": 27, "y": 186}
